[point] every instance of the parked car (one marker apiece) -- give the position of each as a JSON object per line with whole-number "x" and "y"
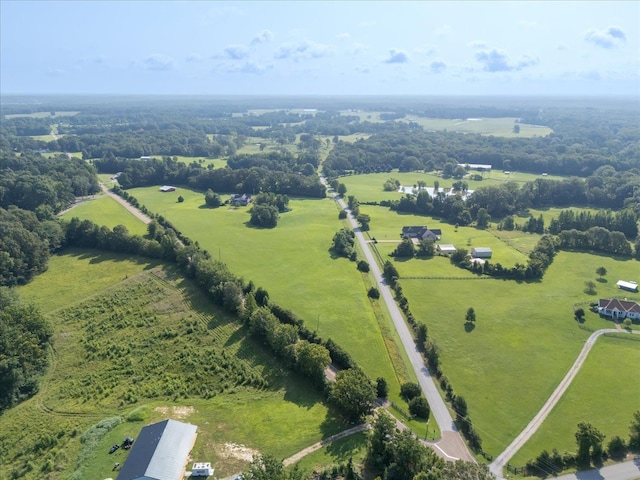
{"x": 113, "y": 448}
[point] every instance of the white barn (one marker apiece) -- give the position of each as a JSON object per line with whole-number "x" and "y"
{"x": 627, "y": 285}
{"x": 481, "y": 252}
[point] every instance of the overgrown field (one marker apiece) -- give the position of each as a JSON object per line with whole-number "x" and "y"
{"x": 524, "y": 341}
{"x": 134, "y": 337}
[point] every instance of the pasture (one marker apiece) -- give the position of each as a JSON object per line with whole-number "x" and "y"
{"x": 525, "y": 339}
{"x": 105, "y": 365}
{"x": 605, "y": 393}
{"x": 293, "y": 262}
{"x": 104, "y": 210}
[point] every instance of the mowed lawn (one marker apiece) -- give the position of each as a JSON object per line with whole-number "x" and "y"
{"x": 292, "y": 262}
{"x": 605, "y": 393}
{"x": 104, "y": 210}
{"x": 524, "y": 341}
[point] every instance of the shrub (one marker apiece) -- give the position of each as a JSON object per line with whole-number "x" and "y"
{"x": 409, "y": 391}
{"x": 419, "y": 407}
{"x": 363, "y": 266}
{"x": 373, "y": 293}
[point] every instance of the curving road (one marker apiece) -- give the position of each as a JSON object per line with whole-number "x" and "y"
{"x": 498, "y": 464}
{"x": 451, "y": 446}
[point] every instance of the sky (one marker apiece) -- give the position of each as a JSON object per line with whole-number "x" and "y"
{"x": 320, "y": 48}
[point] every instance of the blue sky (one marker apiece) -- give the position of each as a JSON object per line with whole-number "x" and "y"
{"x": 320, "y": 48}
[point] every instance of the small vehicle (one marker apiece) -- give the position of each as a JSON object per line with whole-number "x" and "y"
{"x": 127, "y": 443}
{"x": 113, "y": 448}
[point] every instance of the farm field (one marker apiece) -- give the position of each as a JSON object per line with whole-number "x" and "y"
{"x": 617, "y": 386}
{"x": 499, "y": 127}
{"x": 104, "y": 210}
{"x": 524, "y": 340}
{"x": 236, "y": 412}
{"x": 216, "y": 162}
{"x": 293, "y": 262}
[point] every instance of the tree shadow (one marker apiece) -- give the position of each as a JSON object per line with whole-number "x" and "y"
{"x": 469, "y": 327}
{"x": 602, "y": 280}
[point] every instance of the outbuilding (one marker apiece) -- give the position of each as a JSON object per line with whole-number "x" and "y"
{"x": 160, "y": 452}
{"x": 447, "y": 249}
{"x": 481, "y": 252}
{"x": 627, "y": 285}
{"x": 167, "y": 188}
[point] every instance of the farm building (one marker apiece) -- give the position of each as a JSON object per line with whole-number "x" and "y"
{"x": 446, "y": 249}
{"x": 161, "y": 452}
{"x": 240, "y": 200}
{"x": 421, "y": 233}
{"x": 476, "y": 166}
{"x": 627, "y": 285}
{"x": 481, "y": 252}
{"x": 618, "y": 308}
{"x": 167, "y": 188}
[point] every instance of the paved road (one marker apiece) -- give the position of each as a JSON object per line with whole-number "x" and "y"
{"x": 530, "y": 429}
{"x": 451, "y": 445}
{"x": 622, "y": 471}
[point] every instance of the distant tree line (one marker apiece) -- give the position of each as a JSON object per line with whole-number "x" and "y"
{"x": 253, "y": 180}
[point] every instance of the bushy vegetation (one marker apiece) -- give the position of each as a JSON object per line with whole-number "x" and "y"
{"x": 25, "y": 338}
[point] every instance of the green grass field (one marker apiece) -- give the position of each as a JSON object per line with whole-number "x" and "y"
{"x": 605, "y": 393}
{"x": 353, "y": 447}
{"x": 93, "y": 378}
{"x": 104, "y": 210}
{"x": 43, "y": 114}
{"x": 499, "y": 127}
{"x": 524, "y": 341}
{"x": 369, "y": 187}
{"x": 301, "y": 275}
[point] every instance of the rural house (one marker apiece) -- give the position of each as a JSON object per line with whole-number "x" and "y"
{"x": 421, "y": 233}
{"x": 627, "y": 285}
{"x": 161, "y": 452}
{"x": 615, "y": 308}
{"x": 481, "y": 252}
{"x": 447, "y": 249}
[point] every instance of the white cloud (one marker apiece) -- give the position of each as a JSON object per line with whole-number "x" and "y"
{"x": 438, "y": 67}
{"x": 302, "y": 50}
{"x": 236, "y": 52}
{"x": 497, "y": 61}
{"x": 363, "y": 69}
{"x": 158, "y": 61}
{"x": 397, "y": 56}
{"x": 263, "y": 36}
{"x": 194, "y": 57}
{"x": 343, "y": 36}
{"x": 610, "y": 37}
{"x": 478, "y": 44}
{"x": 443, "y": 31}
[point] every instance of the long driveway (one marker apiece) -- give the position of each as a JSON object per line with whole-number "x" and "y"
{"x": 450, "y": 446}
{"x": 498, "y": 464}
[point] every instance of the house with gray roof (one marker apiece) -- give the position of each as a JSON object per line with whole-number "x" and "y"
{"x": 160, "y": 452}
{"x": 481, "y": 252}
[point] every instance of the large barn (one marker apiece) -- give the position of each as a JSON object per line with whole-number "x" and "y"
{"x": 160, "y": 452}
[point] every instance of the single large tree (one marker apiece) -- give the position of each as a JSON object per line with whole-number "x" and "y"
{"x": 353, "y": 393}
{"x": 601, "y": 271}
{"x": 589, "y": 441}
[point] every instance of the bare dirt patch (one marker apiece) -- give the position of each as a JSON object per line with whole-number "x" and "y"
{"x": 233, "y": 450}
{"x": 175, "y": 412}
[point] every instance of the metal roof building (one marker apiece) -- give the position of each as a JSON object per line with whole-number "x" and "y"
{"x": 160, "y": 452}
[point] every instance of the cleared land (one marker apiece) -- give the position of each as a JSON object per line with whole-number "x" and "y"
{"x": 499, "y": 127}
{"x": 106, "y": 211}
{"x": 43, "y": 114}
{"x": 103, "y": 369}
